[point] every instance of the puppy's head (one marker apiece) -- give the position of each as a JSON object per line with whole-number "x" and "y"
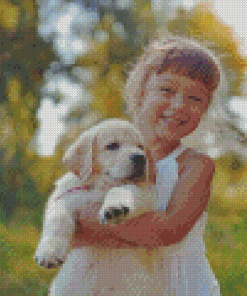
{"x": 114, "y": 148}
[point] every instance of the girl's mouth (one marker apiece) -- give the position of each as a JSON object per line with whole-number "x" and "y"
{"x": 169, "y": 119}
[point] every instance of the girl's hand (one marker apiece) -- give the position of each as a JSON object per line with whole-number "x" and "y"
{"x": 84, "y": 235}
{"x": 90, "y": 233}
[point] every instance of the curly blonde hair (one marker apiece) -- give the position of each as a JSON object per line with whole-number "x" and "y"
{"x": 178, "y": 54}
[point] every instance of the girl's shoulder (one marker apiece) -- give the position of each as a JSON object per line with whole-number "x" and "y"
{"x": 191, "y": 156}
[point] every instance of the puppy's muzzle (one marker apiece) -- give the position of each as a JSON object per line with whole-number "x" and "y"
{"x": 139, "y": 166}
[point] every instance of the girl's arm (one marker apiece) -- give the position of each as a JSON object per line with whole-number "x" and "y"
{"x": 153, "y": 229}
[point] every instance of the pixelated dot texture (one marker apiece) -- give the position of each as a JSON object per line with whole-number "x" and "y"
{"x": 180, "y": 276}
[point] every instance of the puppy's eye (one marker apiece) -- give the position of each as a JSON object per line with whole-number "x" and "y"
{"x": 113, "y": 146}
{"x": 141, "y": 147}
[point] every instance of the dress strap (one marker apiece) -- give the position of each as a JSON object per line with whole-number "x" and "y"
{"x": 177, "y": 151}
{"x": 167, "y": 176}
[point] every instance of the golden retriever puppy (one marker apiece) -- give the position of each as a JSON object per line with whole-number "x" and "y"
{"x": 107, "y": 182}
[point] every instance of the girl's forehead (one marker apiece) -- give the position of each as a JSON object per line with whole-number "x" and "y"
{"x": 176, "y": 80}
{"x": 155, "y": 79}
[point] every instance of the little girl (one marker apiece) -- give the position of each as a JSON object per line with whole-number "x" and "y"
{"x": 167, "y": 94}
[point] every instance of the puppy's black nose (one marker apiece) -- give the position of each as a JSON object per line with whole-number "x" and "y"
{"x": 138, "y": 160}
{"x": 139, "y": 164}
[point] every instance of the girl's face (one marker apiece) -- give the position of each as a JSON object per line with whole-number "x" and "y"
{"x": 171, "y": 108}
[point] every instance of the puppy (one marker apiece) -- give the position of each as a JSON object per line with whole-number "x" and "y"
{"x": 108, "y": 182}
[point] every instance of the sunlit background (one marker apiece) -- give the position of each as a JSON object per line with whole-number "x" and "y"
{"x": 68, "y": 44}
{"x": 63, "y": 66}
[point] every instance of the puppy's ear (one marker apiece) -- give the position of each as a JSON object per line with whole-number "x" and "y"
{"x": 79, "y": 157}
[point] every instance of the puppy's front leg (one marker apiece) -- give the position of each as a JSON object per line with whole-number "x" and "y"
{"x": 123, "y": 202}
{"x": 59, "y": 227}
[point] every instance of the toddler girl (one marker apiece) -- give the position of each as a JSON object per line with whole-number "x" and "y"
{"x": 167, "y": 94}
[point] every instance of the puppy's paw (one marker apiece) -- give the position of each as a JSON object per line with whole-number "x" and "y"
{"x": 51, "y": 252}
{"x": 114, "y": 215}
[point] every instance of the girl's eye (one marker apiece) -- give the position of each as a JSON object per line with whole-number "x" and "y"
{"x": 113, "y": 146}
{"x": 166, "y": 89}
{"x": 195, "y": 99}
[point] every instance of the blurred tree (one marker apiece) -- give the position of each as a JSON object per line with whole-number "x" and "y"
{"x": 23, "y": 57}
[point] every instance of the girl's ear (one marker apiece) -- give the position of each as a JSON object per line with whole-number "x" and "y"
{"x": 79, "y": 157}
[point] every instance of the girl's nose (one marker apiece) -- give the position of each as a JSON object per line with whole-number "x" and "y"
{"x": 176, "y": 103}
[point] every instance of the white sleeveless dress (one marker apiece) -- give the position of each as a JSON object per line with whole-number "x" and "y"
{"x": 179, "y": 270}
{"x": 190, "y": 272}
